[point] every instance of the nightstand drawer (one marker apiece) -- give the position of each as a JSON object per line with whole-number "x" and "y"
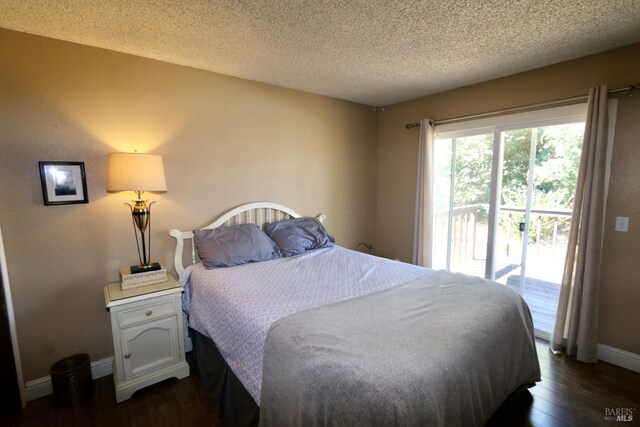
{"x": 146, "y": 313}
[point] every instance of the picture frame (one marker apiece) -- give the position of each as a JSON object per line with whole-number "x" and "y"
{"x": 63, "y": 183}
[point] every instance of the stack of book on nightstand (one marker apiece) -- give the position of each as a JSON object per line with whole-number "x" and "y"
{"x": 129, "y": 280}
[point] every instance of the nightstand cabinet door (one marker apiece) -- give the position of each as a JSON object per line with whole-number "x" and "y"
{"x": 149, "y": 346}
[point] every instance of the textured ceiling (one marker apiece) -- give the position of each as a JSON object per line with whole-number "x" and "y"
{"x": 369, "y": 51}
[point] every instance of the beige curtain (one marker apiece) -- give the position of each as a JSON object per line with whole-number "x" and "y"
{"x": 423, "y": 226}
{"x": 577, "y": 318}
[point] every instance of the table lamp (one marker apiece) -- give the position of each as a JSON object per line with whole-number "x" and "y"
{"x": 138, "y": 173}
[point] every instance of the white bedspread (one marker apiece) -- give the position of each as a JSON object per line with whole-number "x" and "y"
{"x": 236, "y": 306}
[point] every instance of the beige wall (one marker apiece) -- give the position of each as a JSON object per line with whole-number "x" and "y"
{"x": 225, "y": 141}
{"x": 397, "y": 160}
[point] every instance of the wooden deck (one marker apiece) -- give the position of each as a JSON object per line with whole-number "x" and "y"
{"x": 541, "y": 295}
{"x": 542, "y": 299}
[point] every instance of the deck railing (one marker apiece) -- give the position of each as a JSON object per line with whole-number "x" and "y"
{"x": 546, "y": 223}
{"x": 470, "y": 220}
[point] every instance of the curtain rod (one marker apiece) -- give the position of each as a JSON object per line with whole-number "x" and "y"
{"x": 629, "y": 89}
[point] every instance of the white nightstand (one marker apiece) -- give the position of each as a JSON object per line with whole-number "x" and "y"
{"x": 148, "y": 335}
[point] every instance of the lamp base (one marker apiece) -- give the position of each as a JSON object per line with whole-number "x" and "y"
{"x": 135, "y": 269}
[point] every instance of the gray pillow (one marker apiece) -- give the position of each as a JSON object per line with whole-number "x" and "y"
{"x": 295, "y": 236}
{"x": 234, "y": 245}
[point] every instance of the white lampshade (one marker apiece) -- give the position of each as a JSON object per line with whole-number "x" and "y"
{"x": 135, "y": 172}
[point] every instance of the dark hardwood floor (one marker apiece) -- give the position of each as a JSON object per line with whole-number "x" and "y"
{"x": 169, "y": 403}
{"x": 570, "y": 394}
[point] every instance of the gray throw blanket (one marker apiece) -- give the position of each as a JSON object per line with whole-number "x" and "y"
{"x": 444, "y": 349}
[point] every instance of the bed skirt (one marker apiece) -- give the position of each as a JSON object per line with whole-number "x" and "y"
{"x": 234, "y": 404}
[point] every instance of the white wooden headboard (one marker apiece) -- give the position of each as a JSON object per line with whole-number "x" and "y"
{"x": 258, "y": 213}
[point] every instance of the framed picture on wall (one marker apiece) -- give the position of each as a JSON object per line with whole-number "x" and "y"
{"x": 63, "y": 183}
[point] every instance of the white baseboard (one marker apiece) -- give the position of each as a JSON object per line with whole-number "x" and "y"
{"x": 618, "y": 357}
{"x": 42, "y": 386}
{"x": 37, "y": 388}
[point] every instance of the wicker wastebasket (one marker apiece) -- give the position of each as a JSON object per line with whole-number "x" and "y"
{"x": 71, "y": 380}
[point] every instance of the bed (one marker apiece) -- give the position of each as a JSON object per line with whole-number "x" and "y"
{"x": 332, "y": 336}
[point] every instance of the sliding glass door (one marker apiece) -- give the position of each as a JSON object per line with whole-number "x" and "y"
{"x": 503, "y": 198}
{"x": 462, "y": 197}
{"x": 539, "y": 173}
